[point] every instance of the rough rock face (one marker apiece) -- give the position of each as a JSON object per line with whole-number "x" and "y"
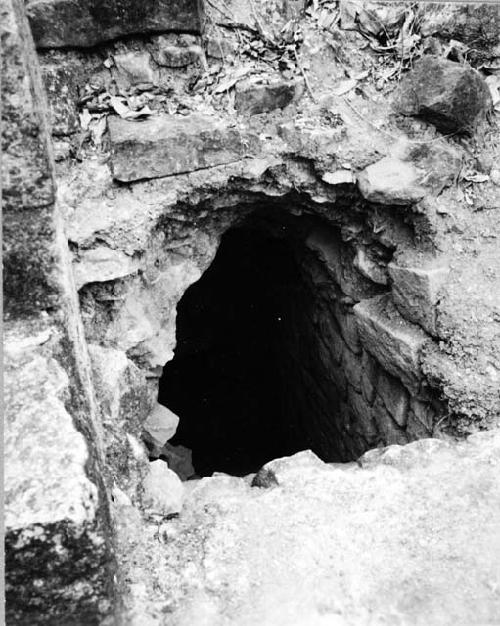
{"x": 450, "y": 96}
{"x": 63, "y": 23}
{"x": 340, "y": 544}
{"x": 410, "y": 172}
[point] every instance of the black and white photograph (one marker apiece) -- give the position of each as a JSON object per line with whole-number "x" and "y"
{"x": 251, "y": 312}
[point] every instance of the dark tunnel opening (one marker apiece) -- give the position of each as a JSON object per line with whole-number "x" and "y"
{"x": 249, "y": 380}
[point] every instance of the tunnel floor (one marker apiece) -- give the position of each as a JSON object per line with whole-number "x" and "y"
{"x": 243, "y": 380}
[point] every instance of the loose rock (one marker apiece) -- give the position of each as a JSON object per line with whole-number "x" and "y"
{"x": 450, "y": 96}
{"x": 163, "y": 490}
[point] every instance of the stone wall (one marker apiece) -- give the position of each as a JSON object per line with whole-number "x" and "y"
{"x": 59, "y": 563}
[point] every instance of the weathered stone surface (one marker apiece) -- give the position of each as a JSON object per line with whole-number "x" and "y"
{"x": 253, "y": 97}
{"x": 135, "y": 67}
{"x": 416, "y": 454}
{"x": 161, "y": 424}
{"x": 102, "y": 264}
{"x": 394, "y": 342}
{"x": 62, "y": 92}
{"x": 415, "y": 290}
{"x": 285, "y": 470}
{"x": 389, "y": 429}
{"x": 84, "y": 23}
{"x": 394, "y": 396}
{"x": 52, "y": 508}
{"x": 171, "y": 144}
{"x": 409, "y": 173}
{"x": 449, "y": 95}
{"x": 163, "y": 490}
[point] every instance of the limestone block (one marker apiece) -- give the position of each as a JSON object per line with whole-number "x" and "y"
{"x": 394, "y": 396}
{"x": 252, "y": 97}
{"x": 102, "y": 264}
{"x": 410, "y": 172}
{"x": 450, "y": 95}
{"x": 85, "y": 23}
{"x": 416, "y": 291}
{"x": 171, "y": 144}
{"x": 163, "y": 490}
{"x": 287, "y": 469}
{"x": 394, "y": 342}
{"x": 161, "y": 424}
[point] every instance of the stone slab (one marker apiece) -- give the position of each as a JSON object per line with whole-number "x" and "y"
{"x": 85, "y": 23}
{"x": 171, "y": 144}
{"x": 394, "y": 342}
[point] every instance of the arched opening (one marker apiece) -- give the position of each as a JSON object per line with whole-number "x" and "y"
{"x": 257, "y": 369}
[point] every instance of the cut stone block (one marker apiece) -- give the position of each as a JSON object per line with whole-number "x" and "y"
{"x": 415, "y": 291}
{"x": 449, "y": 95}
{"x": 171, "y": 144}
{"x": 394, "y": 342}
{"x": 84, "y": 23}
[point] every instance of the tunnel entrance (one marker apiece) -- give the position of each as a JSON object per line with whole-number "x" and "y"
{"x": 251, "y": 379}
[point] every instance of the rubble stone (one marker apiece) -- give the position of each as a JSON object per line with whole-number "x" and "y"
{"x": 409, "y": 173}
{"x": 161, "y": 424}
{"x": 163, "y": 490}
{"x": 284, "y": 470}
{"x": 449, "y": 95}
{"x": 253, "y": 98}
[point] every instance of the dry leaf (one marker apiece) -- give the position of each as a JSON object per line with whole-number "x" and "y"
{"x": 476, "y": 177}
{"x": 344, "y": 86}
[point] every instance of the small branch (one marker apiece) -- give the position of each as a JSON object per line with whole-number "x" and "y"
{"x": 306, "y": 80}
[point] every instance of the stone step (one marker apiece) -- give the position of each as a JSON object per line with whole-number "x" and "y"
{"x": 172, "y": 144}
{"x": 392, "y": 340}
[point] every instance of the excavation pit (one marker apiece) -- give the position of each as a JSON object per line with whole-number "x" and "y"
{"x": 268, "y": 361}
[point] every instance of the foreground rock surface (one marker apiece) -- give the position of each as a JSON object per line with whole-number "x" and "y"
{"x": 61, "y": 23}
{"x": 400, "y": 541}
